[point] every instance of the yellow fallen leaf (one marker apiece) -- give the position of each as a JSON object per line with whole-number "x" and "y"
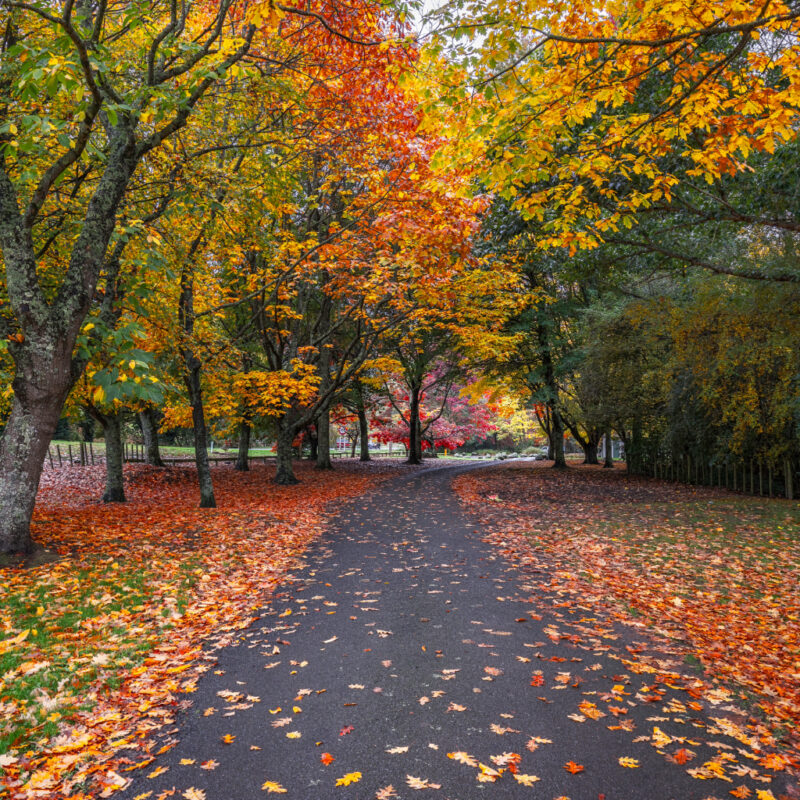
{"x": 631, "y": 763}
{"x": 350, "y": 777}
{"x": 273, "y": 788}
{"x": 157, "y": 771}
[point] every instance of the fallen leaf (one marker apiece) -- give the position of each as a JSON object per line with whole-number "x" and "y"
{"x": 273, "y": 788}
{"x": 350, "y": 777}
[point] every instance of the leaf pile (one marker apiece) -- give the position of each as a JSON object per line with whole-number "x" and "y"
{"x": 712, "y": 568}
{"x": 96, "y": 649}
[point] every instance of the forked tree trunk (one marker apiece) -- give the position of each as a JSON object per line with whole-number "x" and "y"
{"x": 284, "y": 474}
{"x": 242, "y": 462}
{"x": 44, "y": 370}
{"x": 324, "y": 439}
{"x": 112, "y": 432}
{"x": 609, "y": 460}
{"x": 152, "y": 453}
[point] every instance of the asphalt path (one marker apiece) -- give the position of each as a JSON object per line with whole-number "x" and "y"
{"x": 409, "y": 659}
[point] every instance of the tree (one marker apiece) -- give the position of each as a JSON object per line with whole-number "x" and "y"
{"x": 624, "y": 115}
{"x": 117, "y": 86}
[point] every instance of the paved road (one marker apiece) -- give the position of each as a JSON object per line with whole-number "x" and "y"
{"x": 406, "y": 638}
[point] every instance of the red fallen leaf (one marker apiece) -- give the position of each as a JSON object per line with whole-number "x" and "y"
{"x": 346, "y": 729}
{"x": 682, "y": 756}
{"x": 327, "y": 758}
{"x": 572, "y": 767}
{"x": 537, "y": 680}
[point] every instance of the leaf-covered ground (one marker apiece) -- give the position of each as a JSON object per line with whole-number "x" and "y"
{"x": 410, "y": 658}
{"x": 96, "y": 649}
{"x": 718, "y": 571}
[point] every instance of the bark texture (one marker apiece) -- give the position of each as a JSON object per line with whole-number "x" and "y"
{"x": 112, "y": 432}
{"x": 323, "y": 424}
{"x": 242, "y": 462}
{"x": 284, "y": 473}
{"x": 363, "y": 432}
{"x": 152, "y": 452}
{"x": 609, "y": 460}
{"x": 414, "y": 431}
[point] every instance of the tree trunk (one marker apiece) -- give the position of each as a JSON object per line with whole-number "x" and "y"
{"x": 44, "y": 369}
{"x": 633, "y": 453}
{"x": 242, "y": 462}
{"x": 553, "y": 401}
{"x": 363, "y": 430}
{"x": 23, "y": 447}
{"x": 609, "y": 460}
{"x": 112, "y": 432}
{"x": 353, "y": 446}
{"x": 313, "y": 443}
{"x": 590, "y": 452}
{"x": 414, "y": 437}
{"x": 147, "y": 422}
{"x": 284, "y": 474}
{"x": 324, "y": 439}
{"x": 559, "y": 459}
{"x": 207, "y": 499}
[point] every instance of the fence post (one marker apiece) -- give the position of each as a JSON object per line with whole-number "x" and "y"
{"x": 91, "y": 452}
{"x": 58, "y": 453}
{"x": 69, "y": 447}
{"x": 787, "y": 478}
{"x": 50, "y": 453}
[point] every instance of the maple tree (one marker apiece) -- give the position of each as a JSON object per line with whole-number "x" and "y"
{"x": 448, "y": 414}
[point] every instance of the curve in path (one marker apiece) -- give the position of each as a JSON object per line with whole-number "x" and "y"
{"x": 405, "y": 638}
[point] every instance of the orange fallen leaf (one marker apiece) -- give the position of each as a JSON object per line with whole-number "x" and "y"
{"x": 572, "y": 767}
